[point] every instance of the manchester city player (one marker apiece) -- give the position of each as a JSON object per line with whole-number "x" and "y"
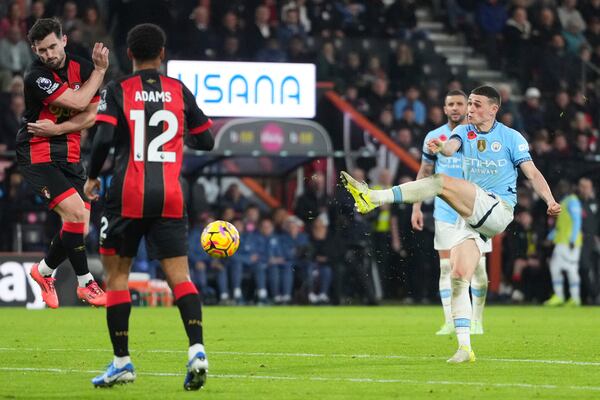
{"x": 485, "y": 198}
{"x": 447, "y": 224}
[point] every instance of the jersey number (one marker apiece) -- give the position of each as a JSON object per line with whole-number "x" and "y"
{"x": 139, "y": 135}
{"x": 103, "y": 227}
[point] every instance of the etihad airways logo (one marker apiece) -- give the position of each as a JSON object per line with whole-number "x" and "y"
{"x": 474, "y": 162}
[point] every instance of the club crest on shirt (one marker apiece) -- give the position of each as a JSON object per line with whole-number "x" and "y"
{"x": 496, "y": 146}
{"x": 471, "y": 135}
{"x": 43, "y": 83}
{"x": 75, "y": 85}
{"x": 46, "y": 192}
{"x": 481, "y": 145}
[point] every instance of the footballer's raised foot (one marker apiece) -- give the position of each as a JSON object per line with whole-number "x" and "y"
{"x": 197, "y": 370}
{"x": 463, "y": 355}
{"x": 446, "y": 329}
{"x": 47, "y": 285}
{"x": 476, "y": 327}
{"x": 92, "y": 294}
{"x": 554, "y": 301}
{"x": 360, "y": 192}
{"x": 115, "y": 376}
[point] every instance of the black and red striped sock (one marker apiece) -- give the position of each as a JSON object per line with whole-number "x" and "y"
{"x": 190, "y": 308}
{"x": 72, "y": 239}
{"x": 118, "y": 308}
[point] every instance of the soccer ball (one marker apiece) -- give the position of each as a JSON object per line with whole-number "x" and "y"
{"x": 220, "y": 239}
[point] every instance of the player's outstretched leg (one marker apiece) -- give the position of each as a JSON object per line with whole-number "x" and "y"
{"x": 479, "y": 285}
{"x": 120, "y": 370}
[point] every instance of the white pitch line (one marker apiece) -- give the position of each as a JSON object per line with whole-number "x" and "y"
{"x": 317, "y": 355}
{"x": 322, "y": 379}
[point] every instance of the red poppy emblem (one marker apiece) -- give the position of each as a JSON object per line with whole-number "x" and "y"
{"x": 471, "y": 135}
{"x": 443, "y": 138}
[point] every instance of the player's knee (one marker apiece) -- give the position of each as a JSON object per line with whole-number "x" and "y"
{"x": 76, "y": 214}
{"x": 460, "y": 272}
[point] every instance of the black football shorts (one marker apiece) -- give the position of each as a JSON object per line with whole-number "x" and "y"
{"x": 55, "y": 181}
{"x": 165, "y": 237}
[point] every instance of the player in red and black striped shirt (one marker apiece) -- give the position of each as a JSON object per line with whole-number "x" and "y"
{"x": 61, "y": 100}
{"x": 147, "y": 116}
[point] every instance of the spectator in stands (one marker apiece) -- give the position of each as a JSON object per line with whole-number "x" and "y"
{"x": 14, "y": 18}
{"x": 200, "y": 41}
{"x": 232, "y": 51}
{"x": 532, "y": 112}
{"x": 260, "y": 31}
{"x": 411, "y": 101}
{"x": 560, "y": 113}
{"x": 75, "y": 44}
{"x": 405, "y": 68}
{"x": 321, "y": 270}
{"x": 272, "y": 52}
{"x": 69, "y": 18}
{"x": 251, "y": 218}
{"x": 10, "y": 122}
{"x": 378, "y": 98}
{"x": 401, "y": 19}
{"x": 279, "y": 217}
{"x": 279, "y": 269}
{"x": 327, "y": 66}
{"x": 590, "y": 11}
{"x": 352, "y": 73}
{"x": 589, "y": 267}
{"x": 557, "y": 66}
{"x": 38, "y": 10}
{"x": 290, "y": 27}
{"x": 296, "y": 249}
{"x": 234, "y": 198}
{"x": 546, "y": 27}
{"x": 297, "y": 52}
{"x": 517, "y": 34}
{"x": 201, "y": 263}
{"x": 15, "y": 55}
{"x": 491, "y": 18}
{"x": 574, "y": 38}
{"x": 236, "y": 264}
{"x": 313, "y": 202}
{"x": 509, "y": 106}
{"x": 569, "y": 14}
{"x": 302, "y": 8}
{"x": 374, "y": 70}
{"x": 230, "y": 27}
{"x": 521, "y": 256}
{"x": 324, "y": 19}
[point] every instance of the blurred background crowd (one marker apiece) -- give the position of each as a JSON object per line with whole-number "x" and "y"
{"x": 393, "y": 61}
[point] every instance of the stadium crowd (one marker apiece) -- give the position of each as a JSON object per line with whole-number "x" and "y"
{"x": 314, "y": 252}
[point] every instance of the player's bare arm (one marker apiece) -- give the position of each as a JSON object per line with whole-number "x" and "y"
{"x": 47, "y": 128}
{"x": 447, "y": 148}
{"x": 79, "y": 99}
{"x": 416, "y": 218}
{"x": 540, "y": 186}
{"x": 101, "y": 145}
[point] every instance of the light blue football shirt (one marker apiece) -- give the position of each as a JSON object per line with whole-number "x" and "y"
{"x": 490, "y": 159}
{"x": 451, "y": 166}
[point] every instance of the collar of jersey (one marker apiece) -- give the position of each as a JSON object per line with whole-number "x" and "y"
{"x": 485, "y": 133}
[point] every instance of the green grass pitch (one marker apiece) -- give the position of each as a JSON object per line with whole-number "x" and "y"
{"x": 307, "y": 353}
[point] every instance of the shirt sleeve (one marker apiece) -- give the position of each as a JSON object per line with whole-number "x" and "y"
{"x": 108, "y": 109}
{"x": 44, "y": 86}
{"x": 427, "y": 156}
{"x": 574, "y": 208}
{"x": 519, "y": 151}
{"x": 197, "y": 122}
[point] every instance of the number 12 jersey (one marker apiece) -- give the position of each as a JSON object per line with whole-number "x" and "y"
{"x": 151, "y": 113}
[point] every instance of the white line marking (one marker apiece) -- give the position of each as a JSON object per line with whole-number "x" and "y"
{"x": 315, "y": 355}
{"x": 321, "y": 379}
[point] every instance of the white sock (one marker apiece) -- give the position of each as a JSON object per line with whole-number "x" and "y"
{"x": 574, "y": 281}
{"x": 83, "y": 280}
{"x": 411, "y": 192}
{"x": 479, "y": 285}
{"x": 224, "y": 296}
{"x": 262, "y": 294}
{"x": 461, "y": 311}
{"x": 446, "y": 288}
{"x": 237, "y": 293}
{"x": 120, "y": 362}
{"x": 557, "y": 277}
{"x": 44, "y": 269}
{"x": 195, "y": 349}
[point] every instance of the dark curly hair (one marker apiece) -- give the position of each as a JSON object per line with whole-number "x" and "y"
{"x": 146, "y": 41}
{"x": 42, "y": 28}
